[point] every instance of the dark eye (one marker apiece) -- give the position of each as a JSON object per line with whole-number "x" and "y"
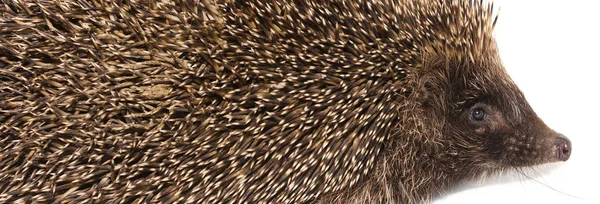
{"x": 478, "y": 114}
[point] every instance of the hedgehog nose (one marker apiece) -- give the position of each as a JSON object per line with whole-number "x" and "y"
{"x": 563, "y": 148}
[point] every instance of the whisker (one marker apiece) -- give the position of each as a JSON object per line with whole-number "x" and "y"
{"x": 538, "y": 174}
{"x": 520, "y": 179}
{"x": 546, "y": 185}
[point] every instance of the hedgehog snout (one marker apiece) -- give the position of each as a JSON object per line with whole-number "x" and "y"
{"x": 562, "y": 148}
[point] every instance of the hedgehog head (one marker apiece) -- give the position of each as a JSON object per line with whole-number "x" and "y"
{"x": 483, "y": 115}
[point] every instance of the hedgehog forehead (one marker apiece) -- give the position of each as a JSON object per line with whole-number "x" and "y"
{"x": 461, "y": 83}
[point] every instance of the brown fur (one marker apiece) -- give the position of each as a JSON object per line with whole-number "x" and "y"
{"x": 360, "y": 101}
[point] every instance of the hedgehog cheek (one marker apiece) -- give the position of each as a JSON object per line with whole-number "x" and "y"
{"x": 480, "y": 130}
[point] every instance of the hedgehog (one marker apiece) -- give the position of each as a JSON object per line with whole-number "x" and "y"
{"x": 257, "y": 101}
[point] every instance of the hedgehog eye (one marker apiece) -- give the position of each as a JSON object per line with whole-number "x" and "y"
{"x": 478, "y": 114}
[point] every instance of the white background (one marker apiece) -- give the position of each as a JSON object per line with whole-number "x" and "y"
{"x": 551, "y": 49}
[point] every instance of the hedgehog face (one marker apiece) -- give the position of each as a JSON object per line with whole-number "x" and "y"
{"x": 493, "y": 125}
{"x": 507, "y": 141}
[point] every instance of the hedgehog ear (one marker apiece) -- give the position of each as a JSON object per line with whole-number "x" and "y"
{"x": 427, "y": 94}
{"x": 432, "y": 92}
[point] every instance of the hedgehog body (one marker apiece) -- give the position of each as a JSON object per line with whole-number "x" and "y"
{"x": 256, "y": 101}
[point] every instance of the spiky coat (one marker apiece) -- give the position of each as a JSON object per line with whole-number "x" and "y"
{"x": 228, "y": 101}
